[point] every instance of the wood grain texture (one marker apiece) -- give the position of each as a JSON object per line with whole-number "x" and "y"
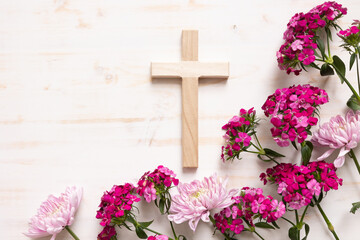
{"x": 189, "y": 69}
{"x": 78, "y": 105}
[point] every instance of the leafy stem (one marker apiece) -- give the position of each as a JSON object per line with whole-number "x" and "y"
{"x": 330, "y": 226}
{"x": 72, "y": 233}
{"x": 173, "y": 230}
{"x": 353, "y": 156}
{"x": 346, "y": 81}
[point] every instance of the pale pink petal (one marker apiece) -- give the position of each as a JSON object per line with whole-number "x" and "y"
{"x": 326, "y": 154}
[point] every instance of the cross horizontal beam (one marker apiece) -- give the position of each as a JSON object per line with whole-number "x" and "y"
{"x": 196, "y": 69}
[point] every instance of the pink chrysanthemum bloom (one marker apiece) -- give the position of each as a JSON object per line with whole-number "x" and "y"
{"x": 340, "y": 133}
{"x": 55, "y": 214}
{"x": 196, "y": 199}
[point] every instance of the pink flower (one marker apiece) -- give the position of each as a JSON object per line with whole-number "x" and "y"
{"x": 340, "y": 133}
{"x": 55, "y": 214}
{"x": 196, "y": 199}
{"x": 292, "y": 111}
{"x": 158, "y": 237}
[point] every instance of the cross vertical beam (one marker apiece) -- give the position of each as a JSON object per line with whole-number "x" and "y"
{"x": 189, "y": 92}
{"x": 190, "y": 71}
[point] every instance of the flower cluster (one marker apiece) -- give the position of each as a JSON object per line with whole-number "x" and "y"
{"x": 299, "y": 184}
{"x": 196, "y": 199}
{"x": 115, "y": 207}
{"x": 250, "y": 205}
{"x": 351, "y": 36}
{"x": 338, "y": 133}
{"x": 156, "y": 183}
{"x": 238, "y": 134}
{"x": 292, "y": 112}
{"x": 301, "y": 34}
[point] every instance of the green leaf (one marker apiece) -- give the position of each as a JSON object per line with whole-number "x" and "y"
{"x": 352, "y": 60}
{"x": 339, "y": 68}
{"x": 140, "y": 233}
{"x": 314, "y": 65}
{"x": 293, "y": 233}
{"x": 306, "y": 151}
{"x": 328, "y": 31}
{"x": 162, "y": 206}
{"x": 272, "y": 153}
{"x": 275, "y": 225}
{"x": 326, "y": 70}
{"x": 294, "y": 145}
{"x": 263, "y": 225}
{"x": 353, "y": 103}
{"x": 321, "y": 46}
{"x": 307, "y": 230}
{"x": 145, "y": 224}
{"x": 355, "y": 207}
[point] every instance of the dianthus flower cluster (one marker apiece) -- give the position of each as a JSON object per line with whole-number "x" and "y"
{"x": 292, "y": 111}
{"x": 299, "y": 184}
{"x": 115, "y": 206}
{"x": 238, "y": 134}
{"x": 351, "y": 36}
{"x": 157, "y": 182}
{"x": 301, "y": 34}
{"x": 249, "y": 205}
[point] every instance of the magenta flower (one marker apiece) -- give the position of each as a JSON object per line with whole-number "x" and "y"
{"x": 299, "y": 184}
{"x": 238, "y": 134}
{"x": 339, "y": 133}
{"x": 196, "y": 199}
{"x": 250, "y": 205}
{"x": 158, "y": 237}
{"x": 55, "y": 214}
{"x": 301, "y": 34}
{"x": 292, "y": 111}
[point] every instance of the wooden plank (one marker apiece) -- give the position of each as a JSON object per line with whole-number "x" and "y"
{"x": 218, "y": 70}
{"x": 190, "y": 121}
{"x": 189, "y": 45}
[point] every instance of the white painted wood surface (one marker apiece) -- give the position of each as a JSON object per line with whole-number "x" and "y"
{"x": 77, "y": 104}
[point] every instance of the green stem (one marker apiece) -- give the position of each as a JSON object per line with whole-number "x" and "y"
{"x": 213, "y": 222}
{"x": 330, "y": 226}
{"x": 297, "y": 224}
{"x": 302, "y": 217}
{"x": 72, "y": 233}
{"x": 346, "y": 81}
{"x": 288, "y": 221}
{"x": 357, "y": 68}
{"x": 258, "y": 235}
{"x": 353, "y": 156}
{"x": 328, "y": 44}
{"x": 173, "y": 230}
{"x": 297, "y": 217}
{"x": 258, "y": 142}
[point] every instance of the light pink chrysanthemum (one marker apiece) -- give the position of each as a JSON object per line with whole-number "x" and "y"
{"x": 196, "y": 199}
{"x": 340, "y": 133}
{"x": 55, "y": 213}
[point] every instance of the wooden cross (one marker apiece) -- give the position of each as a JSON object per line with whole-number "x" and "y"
{"x": 190, "y": 71}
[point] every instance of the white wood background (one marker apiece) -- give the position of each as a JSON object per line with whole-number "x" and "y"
{"x": 78, "y": 107}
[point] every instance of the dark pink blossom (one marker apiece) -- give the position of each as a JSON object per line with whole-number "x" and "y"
{"x": 250, "y": 205}
{"x": 292, "y": 112}
{"x": 300, "y": 37}
{"x": 299, "y": 184}
{"x": 238, "y": 134}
